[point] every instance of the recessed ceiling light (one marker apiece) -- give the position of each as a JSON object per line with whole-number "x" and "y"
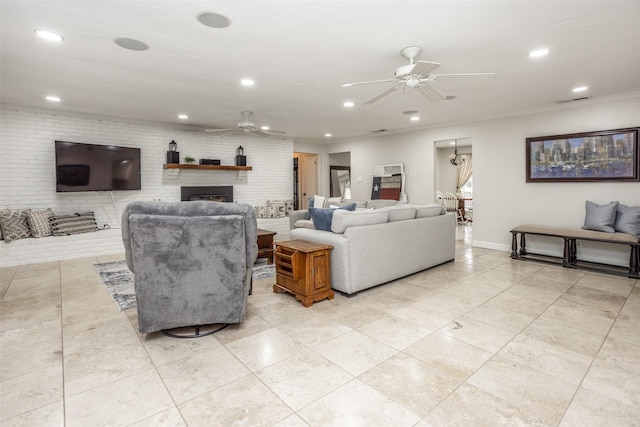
{"x": 415, "y": 118}
{"x": 48, "y": 35}
{"x": 52, "y": 98}
{"x": 264, "y": 127}
{"x": 328, "y": 135}
{"x": 538, "y": 53}
{"x": 247, "y": 82}
{"x": 213, "y": 19}
{"x": 131, "y": 44}
{"x": 452, "y": 143}
{"x": 349, "y": 104}
{"x": 580, "y": 88}
{"x": 183, "y": 116}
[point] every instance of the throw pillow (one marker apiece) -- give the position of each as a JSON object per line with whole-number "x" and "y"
{"x": 319, "y": 202}
{"x": 64, "y": 225}
{"x": 272, "y": 212}
{"x": 322, "y": 217}
{"x": 14, "y": 224}
{"x": 628, "y": 220}
{"x": 600, "y": 217}
{"x": 39, "y": 222}
{"x": 279, "y": 206}
{"x": 261, "y": 211}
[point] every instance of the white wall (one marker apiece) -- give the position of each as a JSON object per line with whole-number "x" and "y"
{"x": 502, "y": 198}
{"x": 27, "y": 175}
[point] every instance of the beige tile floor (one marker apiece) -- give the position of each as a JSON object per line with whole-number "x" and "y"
{"x": 482, "y": 341}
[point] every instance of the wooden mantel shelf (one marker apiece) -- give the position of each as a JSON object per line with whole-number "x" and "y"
{"x": 207, "y": 167}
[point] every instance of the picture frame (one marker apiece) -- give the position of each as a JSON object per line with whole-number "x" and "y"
{"x": 608, "y": 155}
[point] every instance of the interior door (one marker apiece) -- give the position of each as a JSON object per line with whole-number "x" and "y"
{"x": 308, "y": 169}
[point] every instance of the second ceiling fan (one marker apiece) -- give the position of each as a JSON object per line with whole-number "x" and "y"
{"x": 248, "y": 126}
{"x": 417, "y": 75}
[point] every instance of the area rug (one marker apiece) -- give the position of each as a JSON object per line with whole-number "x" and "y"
{"x": 119, "y": 281}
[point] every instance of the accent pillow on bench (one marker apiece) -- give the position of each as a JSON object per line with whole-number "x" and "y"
{"x": 628, "y": 220}
{"x": 600, "y": 217}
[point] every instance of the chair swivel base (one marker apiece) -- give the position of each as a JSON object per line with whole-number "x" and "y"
{"x": 194, "y": 331}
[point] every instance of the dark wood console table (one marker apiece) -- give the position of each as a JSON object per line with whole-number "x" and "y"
{"x": 265, "y": 244}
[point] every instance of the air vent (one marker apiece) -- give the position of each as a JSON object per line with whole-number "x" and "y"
{"x": 378, "y": 131}
{"x": 572, "y": 100}
{"x": 410, "y": 112}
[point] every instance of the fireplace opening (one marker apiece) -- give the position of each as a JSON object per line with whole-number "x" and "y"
{"x": 215, "y": 194}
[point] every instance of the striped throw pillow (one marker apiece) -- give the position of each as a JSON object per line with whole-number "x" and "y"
{"x": 63, "y": 225}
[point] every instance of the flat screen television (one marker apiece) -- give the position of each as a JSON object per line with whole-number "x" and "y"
{"x": 92, "y": 167}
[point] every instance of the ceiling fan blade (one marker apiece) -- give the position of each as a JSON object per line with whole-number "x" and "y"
{"x": 383, "y": 94}
{"x": 432, "y": 94}
{"x": 220, "y": 130}
{"x": 424, "y": 68}
{"x": 366, "y": 83}
{"x": 464, "y": 78}
{"x": 279, "y": 132}
{"x": 263, "y": 134}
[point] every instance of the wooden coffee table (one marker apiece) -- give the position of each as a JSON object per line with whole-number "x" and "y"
{"x": 265, "y": 244}
{"x": 304, "y": 269}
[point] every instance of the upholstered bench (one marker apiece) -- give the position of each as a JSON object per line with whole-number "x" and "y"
{"x": 570, "y": 236}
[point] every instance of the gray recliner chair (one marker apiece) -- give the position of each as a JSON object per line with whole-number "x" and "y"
{"x": 192, "y": 261}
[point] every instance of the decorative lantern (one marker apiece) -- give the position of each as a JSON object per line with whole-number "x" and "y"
{"x": 241, "y": 159}
{"x": 173, "y": 156}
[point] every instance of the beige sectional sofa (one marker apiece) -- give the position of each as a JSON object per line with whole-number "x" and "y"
{"x": 376, "y": 246}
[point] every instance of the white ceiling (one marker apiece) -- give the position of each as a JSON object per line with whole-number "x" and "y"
{"x": 300, "y": 53}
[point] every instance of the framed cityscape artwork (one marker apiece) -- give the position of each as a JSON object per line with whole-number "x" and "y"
{"x": 610, "y": 155}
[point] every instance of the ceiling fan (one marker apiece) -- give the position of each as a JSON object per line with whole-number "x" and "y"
{"x": 248, "y": 126}
{"x": 417, "y": 75}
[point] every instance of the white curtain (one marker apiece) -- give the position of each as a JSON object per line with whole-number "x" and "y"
{"x": 465, "y": 170}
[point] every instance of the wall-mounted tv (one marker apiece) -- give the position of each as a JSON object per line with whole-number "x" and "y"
{"x": 92, "y": 167}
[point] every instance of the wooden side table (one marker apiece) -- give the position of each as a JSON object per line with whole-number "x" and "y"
{"x": 265, "y": 244}
{"x": 304, "y": 270}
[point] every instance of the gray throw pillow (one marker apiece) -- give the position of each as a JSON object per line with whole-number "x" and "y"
{"x": 14, "y": 224}
{"x": 628, "y": 220}
{"x": 600, "y": 217}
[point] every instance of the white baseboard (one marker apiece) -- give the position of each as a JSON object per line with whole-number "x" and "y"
{"x": 491, "y": 245}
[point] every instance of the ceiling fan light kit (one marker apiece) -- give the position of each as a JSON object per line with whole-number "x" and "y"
{"x": 417, "y": 75}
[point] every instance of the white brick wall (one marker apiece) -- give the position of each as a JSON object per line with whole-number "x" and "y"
{"x": 27, "y": 174}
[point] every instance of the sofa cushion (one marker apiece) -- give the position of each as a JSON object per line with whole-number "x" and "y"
{"x": 600, "y": 217}
{"x": 343, "y": 219}
{"x": 400, "y": 212}
{"x": 628, "y": 220}
{"x": 304, "y": 223}
{"x": 430, "y": 210}
{"x": 322, "y": 218}
{"x": 381, "y": 203}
